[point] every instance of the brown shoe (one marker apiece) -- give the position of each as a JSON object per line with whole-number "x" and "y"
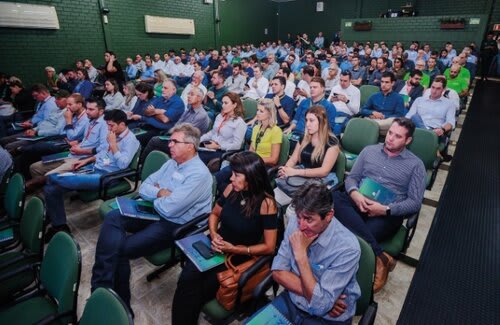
{"x": 35, "y": 184}
{"x": 385, "y": 264}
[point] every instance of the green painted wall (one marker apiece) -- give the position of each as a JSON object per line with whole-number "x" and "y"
{"x": 25, "y": 52}
{"x": 245, "y": 21}
{"x": 301, "y": 16}
{"x": 423, "y": 29}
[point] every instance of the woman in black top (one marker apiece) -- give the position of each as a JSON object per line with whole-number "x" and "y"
{"x": 243, "y": 222}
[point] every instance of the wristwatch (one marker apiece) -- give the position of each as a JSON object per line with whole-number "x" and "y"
{"x": 279, "y": 107}
{"x": 347, "y": 101}
{"x": 388, "y": 211}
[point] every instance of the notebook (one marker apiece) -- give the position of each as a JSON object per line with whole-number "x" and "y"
{"x": 350, "y": 156}
{"x": 138, "y": 131}
{"x": 203, "y": 264}
{"x": 6, "y": 234}
{"x": 55, "y": 157}
{"x": 35, "y": 138}
{"x": 17, "y": 126}
{"x": 374, "y": 191}
{"x": 137, "y": 209}
{"x": 269, "y": 315}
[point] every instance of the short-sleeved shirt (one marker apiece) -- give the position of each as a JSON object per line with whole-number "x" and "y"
{"x": 238, "y": 229}
{"x": 266, "y": 140}
{"x": 458, "y": 84}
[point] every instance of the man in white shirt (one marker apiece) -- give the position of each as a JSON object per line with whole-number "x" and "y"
{"x": 157, "y": 62}
{"x": 258, "y": 85}
{"x": 196, "y": 80}
{"x": 346, "y": 97}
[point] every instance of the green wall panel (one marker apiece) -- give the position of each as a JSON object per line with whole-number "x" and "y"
{"x": 423, "y": 29}
{"x": 25, "y": 52}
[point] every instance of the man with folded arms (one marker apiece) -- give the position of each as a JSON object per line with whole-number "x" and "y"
{"x": 317, "y": 262}
{"x": 398, "y": 170}
{"x": 180, "y": 191}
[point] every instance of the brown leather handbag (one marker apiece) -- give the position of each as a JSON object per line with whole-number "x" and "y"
{"x": 228, "y": 279}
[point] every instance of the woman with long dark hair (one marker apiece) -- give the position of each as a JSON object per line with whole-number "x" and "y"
{"x": 243, "y": 222}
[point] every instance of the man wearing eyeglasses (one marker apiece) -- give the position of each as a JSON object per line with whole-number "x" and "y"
{"x": 180, "y": 191}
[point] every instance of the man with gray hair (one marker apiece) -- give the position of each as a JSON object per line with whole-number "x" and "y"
{"x": 196, "y": 82}
{"x": 180, "y": 191}
{"x": 195, "y": 114}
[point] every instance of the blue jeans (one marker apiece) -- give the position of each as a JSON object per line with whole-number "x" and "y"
{"x": 372, "y": 229}
{"x": 115, "y": 248}
{"x": 419, "y": 123}
{"x": 298, "y": 317}
{"x": 57, "y": 185}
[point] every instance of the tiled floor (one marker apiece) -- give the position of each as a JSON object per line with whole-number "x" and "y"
{"x": 152, "y": 301}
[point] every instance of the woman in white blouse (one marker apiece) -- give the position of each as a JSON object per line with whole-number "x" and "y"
{"x": 228, "y": 131}
{"x": 130, "y": 97}
{"x": 112, "y": 96}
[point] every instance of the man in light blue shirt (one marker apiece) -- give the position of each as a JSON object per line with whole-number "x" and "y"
{"x": 122, "y": 146}
{"x": 180, "y": 191}
{"x": 316, "y": 262}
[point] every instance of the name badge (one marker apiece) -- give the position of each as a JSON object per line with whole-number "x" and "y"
{"x": 177, "y": 176}
{"x": 106, "y": 161}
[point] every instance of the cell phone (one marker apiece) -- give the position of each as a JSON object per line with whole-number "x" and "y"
{"x": 204, "y": 143}
{"x": 145, "y": 209}
{"x": 203, "y": 249}
{"x": 335, "y": 94}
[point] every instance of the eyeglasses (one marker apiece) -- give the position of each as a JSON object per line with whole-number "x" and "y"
{"x": 175, "y": 141}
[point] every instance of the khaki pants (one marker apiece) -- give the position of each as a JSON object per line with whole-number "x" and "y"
{"x": 56, "y": 167}
{"x": 384, "y": 125}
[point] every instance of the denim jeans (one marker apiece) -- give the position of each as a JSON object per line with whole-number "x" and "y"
{"x": 58, "y": 184}
{"x": 115, "y": 248}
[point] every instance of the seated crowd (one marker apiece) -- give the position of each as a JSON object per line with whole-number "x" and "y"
{"x": 193, "y": 106}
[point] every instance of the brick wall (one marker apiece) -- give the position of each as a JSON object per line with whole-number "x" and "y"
{"x": 424, "y": 29}
{"x": 25, "y": 52}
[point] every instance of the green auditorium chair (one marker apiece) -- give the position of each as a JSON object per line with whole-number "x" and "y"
{"x": 358, "y": 134}
{"x": 425, "y": 145}
{"x": 365, "y": 92}
{"x": 13, "y": 202}
{"x": 168, "y": 257}
{"x": 152, "y": 163}
{"x": 55, "y": 298}
{"x": 399, "y": 243}
{"x": 250, "y": 106}
{"x": 31, "y": 250}
{"x": 115, "y": 183}
{"x": 105, "y": 307}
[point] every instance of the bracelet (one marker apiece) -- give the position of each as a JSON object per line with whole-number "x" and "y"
{"x": 248, "y": 250}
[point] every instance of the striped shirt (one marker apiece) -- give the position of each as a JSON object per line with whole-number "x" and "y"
{"x": 403, "y": 174}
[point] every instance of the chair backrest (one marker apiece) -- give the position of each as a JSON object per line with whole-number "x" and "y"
{"x": 425, "y": 145}
{"x": 14, "y": 197}
{"x": 5, "y": 180}
{"x": 250, "y": 106}
{"x": 105, "y": 307}
{"x": 134, "y": 163}
{"x": 31, "y": 227}
{"x": 364, "y": 276}
{"x": 284, "y": 150}
{"x": 340, "y": 165}
{"x": 366, "y": 91}
{"x": 358, "y": 134}
{"x": 60, "y": 270}
{"x": 153, "y": 163}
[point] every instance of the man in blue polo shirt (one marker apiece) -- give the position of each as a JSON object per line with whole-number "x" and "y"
{"x": 163, "y": 112}
{"x": 384, "y": 106}
{"x": 298, "y": 124}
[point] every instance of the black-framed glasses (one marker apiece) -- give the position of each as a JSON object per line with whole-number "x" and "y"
{"x": 175, "y": 141}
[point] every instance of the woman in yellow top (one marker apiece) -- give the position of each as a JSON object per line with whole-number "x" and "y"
{"x": 266, "y": 140}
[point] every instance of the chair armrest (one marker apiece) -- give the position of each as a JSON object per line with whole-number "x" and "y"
{"x": 15, "y": 259}
{"x": 105, "y": 180}
{"x": 50, "y": 319}
{"x": 262, "y": 287}
{"x": 368, "y": 317}
{"x": 339, "y": 187}
{"x": 13, "y": 273}
{"x": 229, "y": 153}
{"x": 251, "y": 271}
{"x": 189, "y": 226}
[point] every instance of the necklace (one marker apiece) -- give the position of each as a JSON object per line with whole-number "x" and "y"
{"x": 242, "y": 201}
